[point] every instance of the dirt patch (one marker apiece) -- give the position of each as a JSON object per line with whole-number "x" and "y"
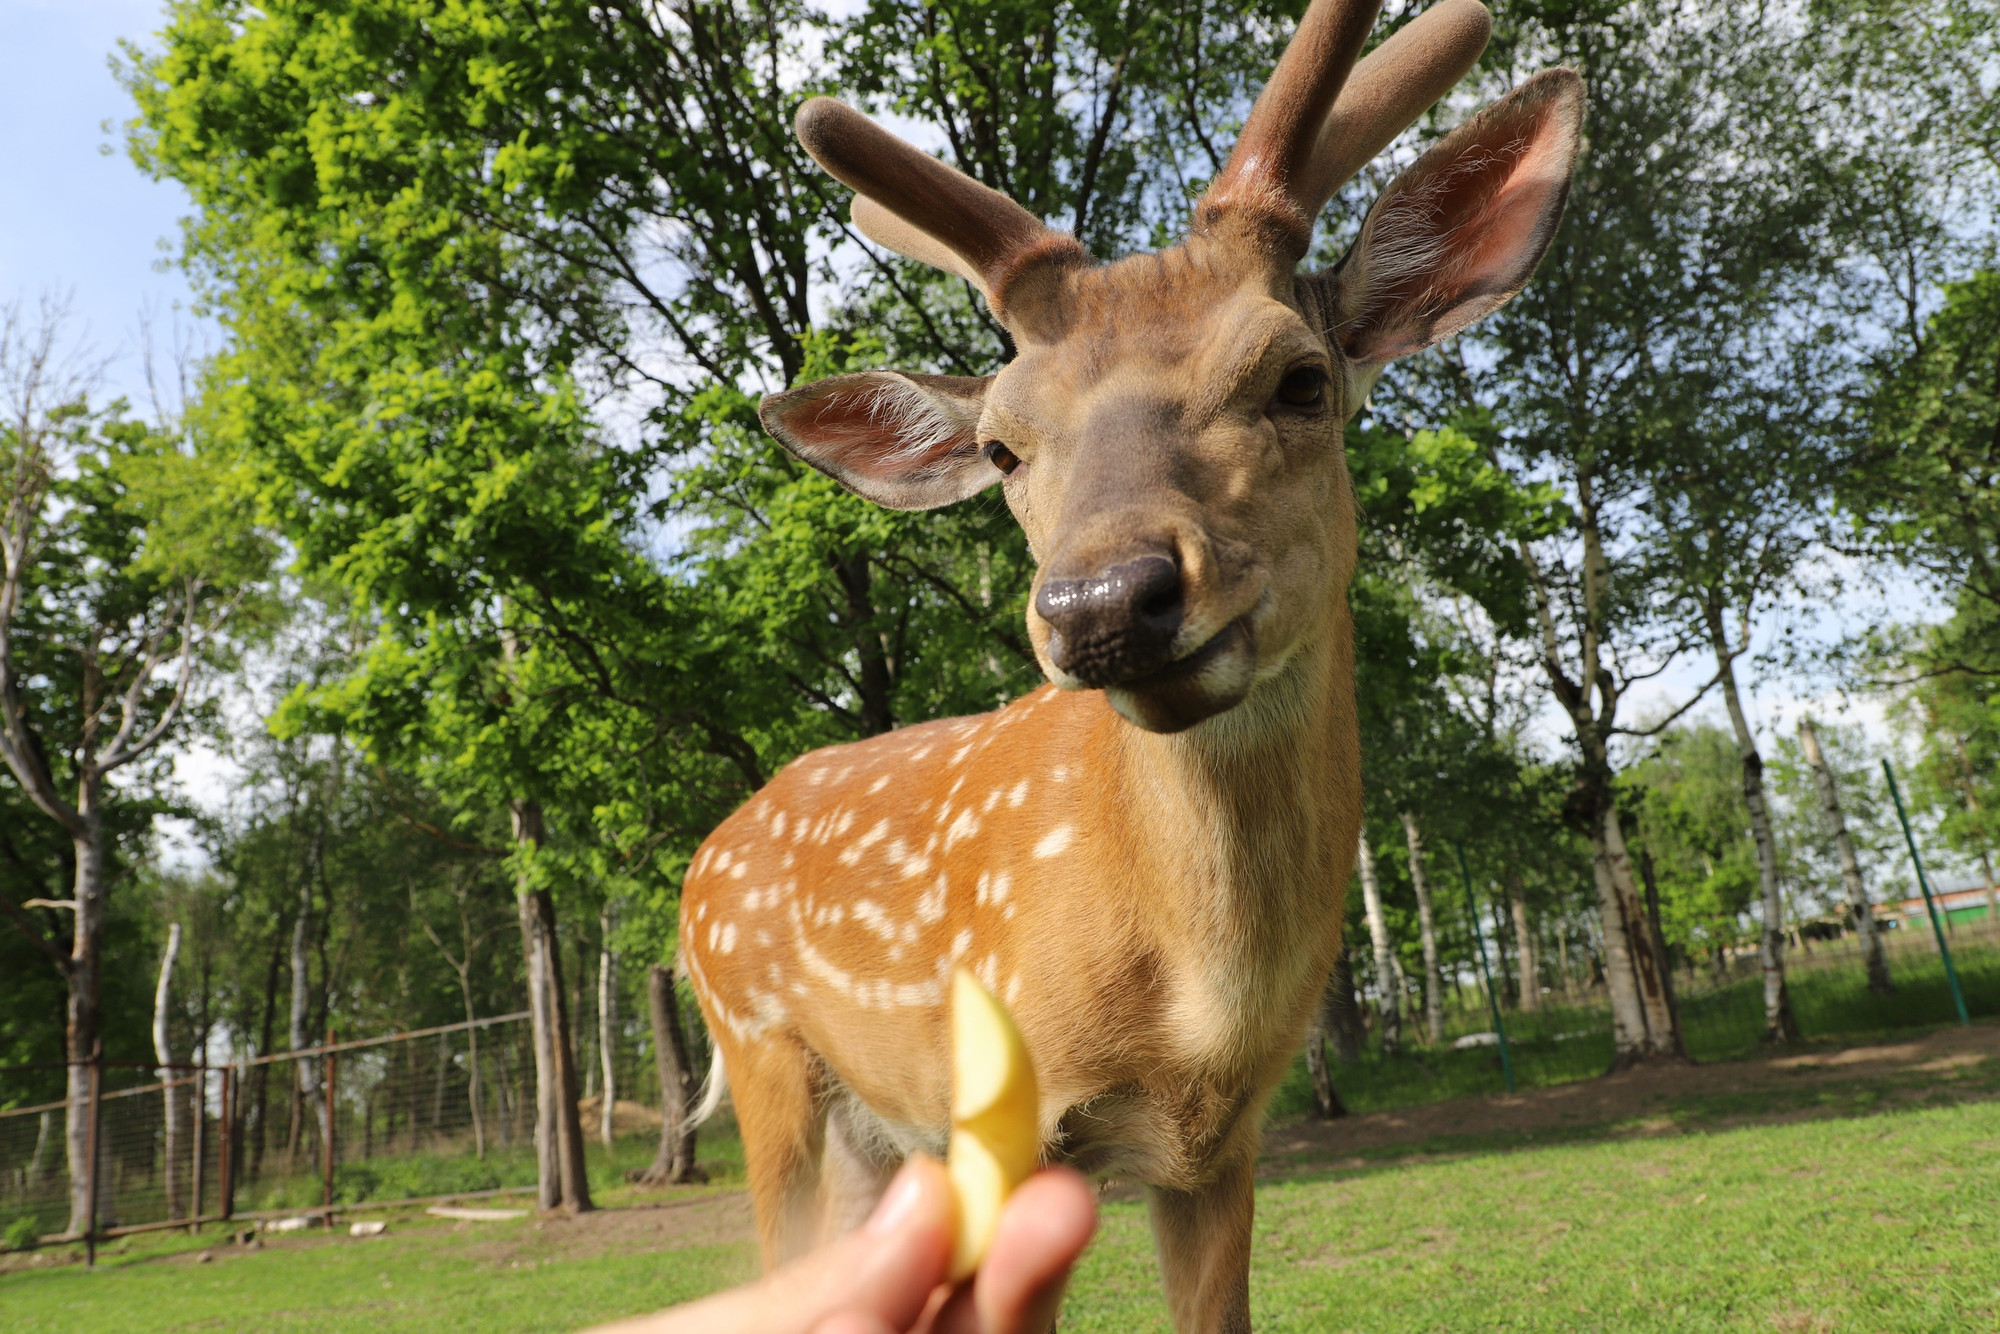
{"x": 713, "y": 1218}
{"x": 1654, "y": 1100}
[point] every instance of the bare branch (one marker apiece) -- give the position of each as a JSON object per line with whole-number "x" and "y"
{"x": 32, "y": 929}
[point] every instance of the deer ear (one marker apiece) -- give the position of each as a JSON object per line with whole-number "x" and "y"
{"x": 909, "y": 442}
{"x": 1459, "y": 234}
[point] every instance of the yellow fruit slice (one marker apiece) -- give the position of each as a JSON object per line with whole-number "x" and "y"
{"x": 995, "y": 1127}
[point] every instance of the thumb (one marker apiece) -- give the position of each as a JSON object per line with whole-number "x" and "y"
{"x": 884, "y": 1272}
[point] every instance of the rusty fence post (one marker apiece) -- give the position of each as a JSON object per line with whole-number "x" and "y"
{"x": 90, "y": 1155}
{"x": 199, "y": 1159}
{"x": 326, "y": 1140}
{"x": 225, "y": 1146}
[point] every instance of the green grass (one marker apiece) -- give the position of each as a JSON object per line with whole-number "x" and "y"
{"x": 1856, "y": 1211}
{"x": 425, "y": 1275}
{"x": 1887, "y": 1223}
{"x": 1563, "y": 1043}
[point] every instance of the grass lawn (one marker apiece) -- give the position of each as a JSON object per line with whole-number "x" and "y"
{"x": 1833, "y": 1191}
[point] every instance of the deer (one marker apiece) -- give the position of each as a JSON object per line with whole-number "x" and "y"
{"x": 1145, "y": 857}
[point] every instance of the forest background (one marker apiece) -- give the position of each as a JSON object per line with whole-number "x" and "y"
{"x": 462, "y": 546}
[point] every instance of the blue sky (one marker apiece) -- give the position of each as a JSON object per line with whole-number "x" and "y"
{"x": 75, "y": 218}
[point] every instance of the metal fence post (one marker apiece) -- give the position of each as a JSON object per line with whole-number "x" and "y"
{"x": 91, "y": 1136}
{"x": 326, "y": 1144}
{"x": 198, "y": 1158}
{"x": 1930, "y": 904}
{"x": 225, "y": 1184}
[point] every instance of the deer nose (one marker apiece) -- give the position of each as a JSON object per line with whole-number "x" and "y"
{"x": 1117, "y": 624}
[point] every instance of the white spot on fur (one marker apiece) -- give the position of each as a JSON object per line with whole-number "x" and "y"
{"x": 1019, "y": 793}
{"x": 965, "y": 826}
{"x": 930, "y": 904}
{"x": 960, "y": 943}
{"x": 871, "y": 915}
{"x": 852, "y": 854}
{"x": 1055, "y": 841}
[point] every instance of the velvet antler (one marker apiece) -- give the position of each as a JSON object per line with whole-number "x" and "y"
{"x": 1316, "y": 124}
{"x": 915, "y": 205}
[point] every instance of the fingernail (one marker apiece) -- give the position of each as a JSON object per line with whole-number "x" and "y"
{"x": 899, "y": 1202}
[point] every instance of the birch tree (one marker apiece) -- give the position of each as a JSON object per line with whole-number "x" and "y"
{"x": 163, "y": 1053}
{"x": 1834, "y": 820}
{"x": 1427, "y": 928}
{"x": 1684, "y": 198}
{"x": 1388, "y": 972}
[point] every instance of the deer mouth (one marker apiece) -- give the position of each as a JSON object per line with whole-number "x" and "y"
{"x": 1212, "y": 679}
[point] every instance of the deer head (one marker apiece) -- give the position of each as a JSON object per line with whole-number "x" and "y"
{"x": 1169, "y": 435}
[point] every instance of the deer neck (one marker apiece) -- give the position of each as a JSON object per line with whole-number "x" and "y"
{"x": 1242, "y": 830}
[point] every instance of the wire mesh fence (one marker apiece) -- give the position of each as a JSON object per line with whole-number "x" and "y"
{"x": 440, "y": 1111}
{"x": 1567, "y": 1036}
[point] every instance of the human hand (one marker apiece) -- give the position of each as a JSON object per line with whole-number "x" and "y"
{"x": 888, "y": 1277}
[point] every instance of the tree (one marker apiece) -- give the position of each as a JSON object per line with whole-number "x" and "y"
{"x": 1834, "y": 821}
{"x": 1929, "y": 492}
{"x": 124, "y": 558}
{"x": 1688, "y": 203}
{"x": 1684, "y": 798}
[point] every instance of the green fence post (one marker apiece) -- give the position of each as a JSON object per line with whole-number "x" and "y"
{"x": 1924, "y": 884}
{"x": 1492, "y": 996}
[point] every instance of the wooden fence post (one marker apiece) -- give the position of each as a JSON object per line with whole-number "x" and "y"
{"x": 225, "y": 1183}
{"x": 326, "y": 1144}
{"x": 90, "y": 1155}
{"x": 197, "y": 1164}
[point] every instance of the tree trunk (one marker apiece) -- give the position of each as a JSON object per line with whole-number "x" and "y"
{"x": 472, "y": 1089}
{"x": 1327, "y": 1105}
{"x": 261, "y": 1100}
{"x": 1427, "y": 927}
{"x": 1334, "y": 1020}
{"x": 307, "y": 1081}
{"x": 674, "y": 1164}
{"x": 1526, "y": 964}
{"x": 561, "y": 1179}
{"x": 1343, "y": 1016}
{"x": 1779, "y": 1025}
{"x": 163, "y": 1053}
{"x": 83, "y": 1020}
{"x": 607, "y": 1048}
{"x": 1835, "y": 822}
{"x": 1642, "y": 1019}
{"x": 569, "y": 1139}
{"x": 1388, "y": 977}
{"x": 1656, "y": 936}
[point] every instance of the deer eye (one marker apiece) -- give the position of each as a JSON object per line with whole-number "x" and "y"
{"x": 1001, "y": 457}
{"x": 1303, "y": 388}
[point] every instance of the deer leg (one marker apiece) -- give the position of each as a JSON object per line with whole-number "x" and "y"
{"x": 854, "y": 1171}
{"x": 784, "y": 1135}
{"x": 1202, "y": 1237}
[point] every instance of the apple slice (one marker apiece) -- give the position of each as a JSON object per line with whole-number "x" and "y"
{"x": 995, "y": 1117}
